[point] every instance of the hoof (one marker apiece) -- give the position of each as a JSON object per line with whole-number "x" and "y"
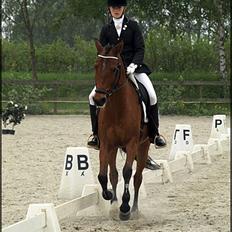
{"x": 107, "y": 195}
{"x": 124, "y": 216}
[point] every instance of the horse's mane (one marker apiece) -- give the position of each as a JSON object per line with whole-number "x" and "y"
{"x": 107, "y": 48}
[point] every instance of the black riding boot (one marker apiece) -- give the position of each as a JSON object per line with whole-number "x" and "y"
{"x": 93, "y": 139}
{"x": 153, "y": 122}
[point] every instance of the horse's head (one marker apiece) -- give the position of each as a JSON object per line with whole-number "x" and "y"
{"x": 109, "y": 72}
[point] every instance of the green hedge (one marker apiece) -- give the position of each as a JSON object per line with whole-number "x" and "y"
{"x": 15, "y": 56}
{"x": 179, "y": 55}
{"x": 55, "y": 57}
{"x": 163, "y": 54}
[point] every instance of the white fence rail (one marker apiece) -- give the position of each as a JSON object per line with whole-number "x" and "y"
{"x": 34, "y": 224}
{"x": 72, "y": 207}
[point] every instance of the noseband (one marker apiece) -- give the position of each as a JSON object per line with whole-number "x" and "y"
{"x": 117, "y": 75}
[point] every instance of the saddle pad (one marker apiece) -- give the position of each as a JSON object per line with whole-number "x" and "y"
{"x": 145, "y": 101}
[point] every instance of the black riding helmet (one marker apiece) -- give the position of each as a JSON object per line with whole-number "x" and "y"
{"x": 116, "y": 2}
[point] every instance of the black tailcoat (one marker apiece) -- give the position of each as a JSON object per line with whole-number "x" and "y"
{"x": 133, "y": 50}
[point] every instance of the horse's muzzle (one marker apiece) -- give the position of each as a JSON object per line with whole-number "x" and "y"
{"x": 100, "y": 102}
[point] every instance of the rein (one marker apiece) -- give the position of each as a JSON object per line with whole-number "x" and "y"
{"x": 117, "y": 76}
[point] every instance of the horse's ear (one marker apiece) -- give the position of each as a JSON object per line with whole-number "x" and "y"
{"x": 118, "y": 48}
{"x": 98, "y": 46}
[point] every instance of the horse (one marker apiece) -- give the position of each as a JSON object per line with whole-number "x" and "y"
{"x": 120, "y": 125}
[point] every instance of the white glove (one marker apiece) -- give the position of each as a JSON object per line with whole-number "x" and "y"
{"x": 131, "y": 68}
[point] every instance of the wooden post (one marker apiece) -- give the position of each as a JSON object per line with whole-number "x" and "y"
{"x": 200, "y": 88}
{"x": 200, "y": 102}
{"x": 56, "y": 98}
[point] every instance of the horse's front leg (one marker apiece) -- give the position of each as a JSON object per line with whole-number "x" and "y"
{"x": 127, "y": 173}
{"x": 102, "y": 176}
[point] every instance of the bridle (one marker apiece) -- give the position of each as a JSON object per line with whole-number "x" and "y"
{"x": 117, "y": 74}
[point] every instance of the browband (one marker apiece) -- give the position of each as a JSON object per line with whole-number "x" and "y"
{"x": 108, "y": 57}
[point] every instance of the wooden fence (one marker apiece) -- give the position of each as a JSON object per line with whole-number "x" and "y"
{"x": 56, "y": 84}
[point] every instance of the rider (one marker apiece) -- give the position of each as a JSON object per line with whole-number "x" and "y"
{"x": 121, "y": 28}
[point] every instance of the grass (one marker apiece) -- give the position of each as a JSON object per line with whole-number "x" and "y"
{"x": 48, "y": 76}
{"x": 83, "y": 108}
{"x": 194, "y": 75}
{"x": 66, "y": 108}
{"x": 187, "y": 75}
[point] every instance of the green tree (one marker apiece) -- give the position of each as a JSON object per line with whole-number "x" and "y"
{"x": 27, "y": 12}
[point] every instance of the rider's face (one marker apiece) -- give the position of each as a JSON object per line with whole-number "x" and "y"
{"x": 116, "y": 11}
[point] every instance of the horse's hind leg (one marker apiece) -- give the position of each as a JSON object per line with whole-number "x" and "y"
{"x": 127, "y": 172}
{"x": 102, "y": 176}
{"x": 141, "y": 163}
{"x": 113, "y": 173}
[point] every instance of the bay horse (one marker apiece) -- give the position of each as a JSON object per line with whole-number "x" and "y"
{"x": 120, "y": 125}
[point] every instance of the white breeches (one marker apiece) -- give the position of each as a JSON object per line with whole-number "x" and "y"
{"x": 145, "y": 80}
{"x": 91, "y": 95}
{"x": 142, "y": 78}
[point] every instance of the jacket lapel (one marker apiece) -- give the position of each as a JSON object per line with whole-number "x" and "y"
{"x": 124, "y": 26}
{"x": 113, "y": 29}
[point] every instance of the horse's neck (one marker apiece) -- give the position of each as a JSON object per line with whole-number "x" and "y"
{"x": 124, "y": 100}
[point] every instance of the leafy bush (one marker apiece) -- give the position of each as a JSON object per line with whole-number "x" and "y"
{"x": 27, "y": 95}
{"x": 170, "y": 98}
{"x": 15, "y": 56}
{"x": 54, "y": 57}
{"x": 85, "y": 54}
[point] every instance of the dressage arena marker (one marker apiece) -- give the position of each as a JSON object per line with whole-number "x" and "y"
{"x": 182, "y": 140}
{"x": 182, "y": 146}
{"x": 218, "y": 126}
{"x": 219, "y": 133}
{"x": 76, "y": 173}
{"x": 46, "y": 217}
